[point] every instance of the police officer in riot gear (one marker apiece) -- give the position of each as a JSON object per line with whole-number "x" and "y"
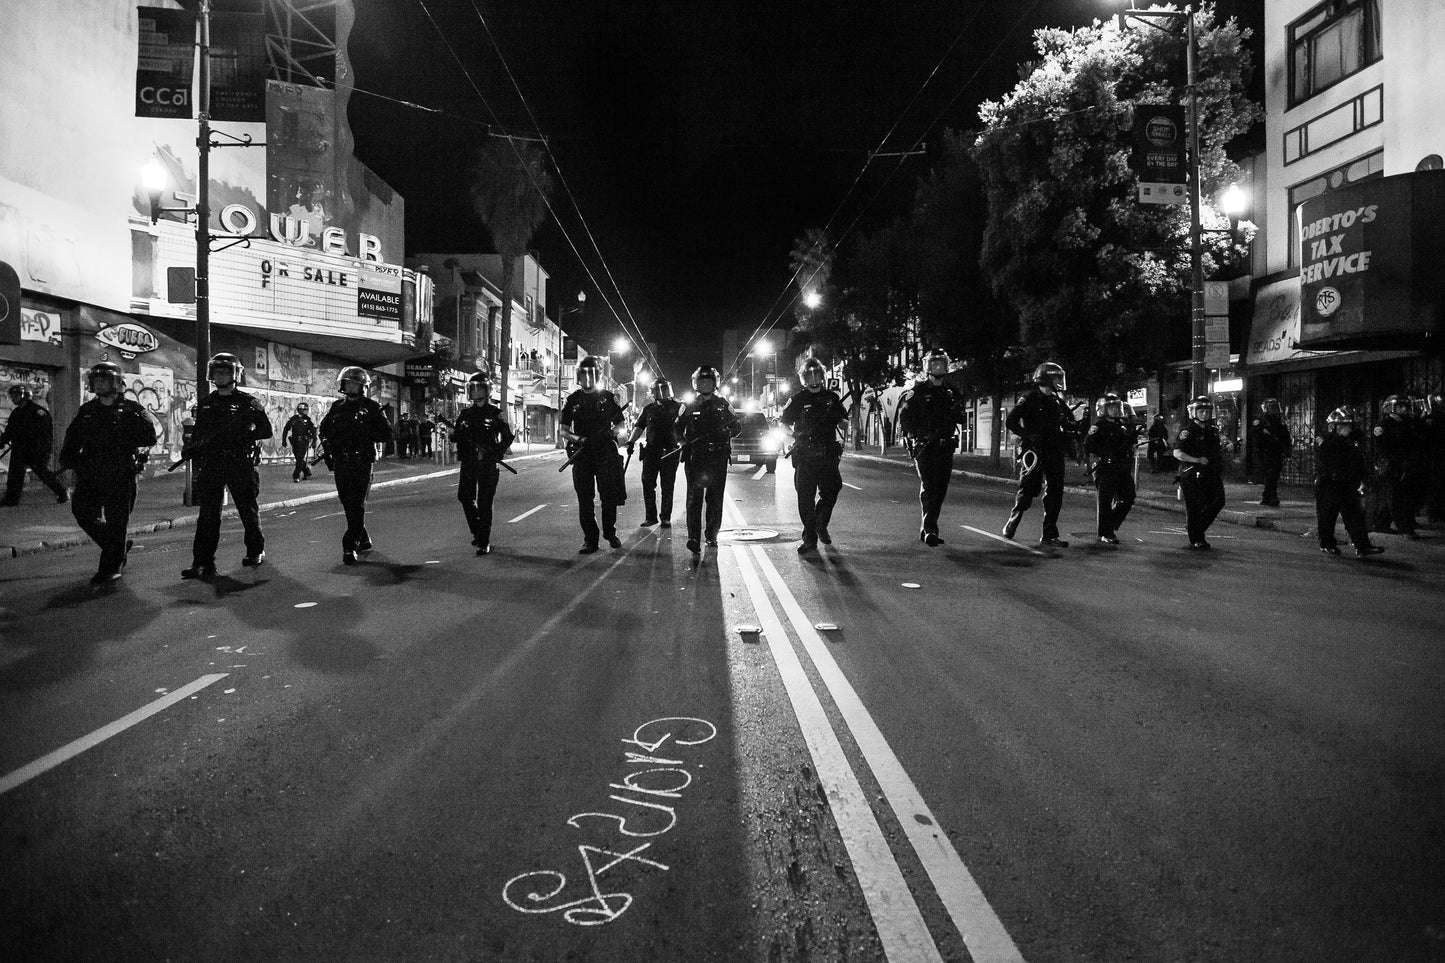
{"x": 1109, "y": 446}
{"x": 1398, "y": 446}
{"x": 657, "y": 427}
{"x": 30, "y": 434}
{"x": 483, "y": 438}
{"x": 928, "y": 417}
{"x": 705, "y": 430}
{"x": 1200, "y": 454}
{"x": 590, "y": 421}
{"x": 1435, "y": 459}
{"x": 1340, "y": 472}
{"x": 103, "y": 448}
{"x": 350, "y": 432}
{"x": 1043, "y": 422}
{"x": 300, "y": 434}
{"x": 1272, "y": 445}
{"x": 224, "y": 449}
{"x": 812, "y": 417}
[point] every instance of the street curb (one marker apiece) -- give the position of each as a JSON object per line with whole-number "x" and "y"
{"x": 1228, "y": 515}
{"x": 185, "y": 521}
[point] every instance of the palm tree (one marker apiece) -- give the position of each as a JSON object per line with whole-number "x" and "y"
{"x": 510, "y": 188}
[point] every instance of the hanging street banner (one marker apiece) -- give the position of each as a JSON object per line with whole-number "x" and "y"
{"x": 165, "y": 64}
{"x": 1369, "y": 263}
{"x": 238, "y": 67}
{"x": 1158, "y": 156}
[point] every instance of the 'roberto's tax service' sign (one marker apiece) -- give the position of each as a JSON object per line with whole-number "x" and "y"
{"x": 1369, "y": 263}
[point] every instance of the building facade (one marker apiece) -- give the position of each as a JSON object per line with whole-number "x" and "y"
{"x": 305, "y": 275}
{"x": 1355, "y": 113}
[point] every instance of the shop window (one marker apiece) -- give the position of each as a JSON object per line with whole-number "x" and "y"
{"x": 1331, "y": 42}
{"x": 1365, "y": 168}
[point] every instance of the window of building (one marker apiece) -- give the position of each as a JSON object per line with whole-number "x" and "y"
{"x": 1361, "y": 169}
{"x": 1334, "y": 40}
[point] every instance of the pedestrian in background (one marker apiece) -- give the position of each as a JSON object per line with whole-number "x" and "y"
{"x": 350, "y": 433}
{"x": 224, "y": 450}
{"x": 1044, "y": 424}
{"x": 1399, "y": 444}
{"x": 1435, "y": 459}
{"x": 929, "y": 414}
{"x": 104, "y": 448}
{"x": 1340, "y": 472}
{"x": 426, "y": 431}
{"x": 1272, "y": 445}
{"x": 300, "y": 433}
{"x": 705, "y": 430}
{"x": 812, "y": 417}
{"x": 30, "y": 434}
{"x": 1200, "y": 454}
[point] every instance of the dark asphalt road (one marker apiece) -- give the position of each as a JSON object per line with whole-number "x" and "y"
{"x": 1087, "y": 754}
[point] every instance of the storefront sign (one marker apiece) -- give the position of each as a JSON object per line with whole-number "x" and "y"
{"x": 1368, "y": 255}
{"x": 129, "y": 339}
{"x": 166, "y": 62}
{"x": 378, "y": 293}
{"x": 41, "y": 326}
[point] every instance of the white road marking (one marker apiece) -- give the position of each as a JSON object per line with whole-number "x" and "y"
{"x": 69, "y": 751}
{"x": 513, "y": 521}
{"x": 762, "y": 470}
{"x": 982, "y": 931}
{"x": 853, "y": 486}
{"x": 895, "y": 914}
{"x": 1006, "y": 541}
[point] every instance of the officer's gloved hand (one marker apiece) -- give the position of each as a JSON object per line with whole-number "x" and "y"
{"x": 187, "y": 452}
{"x": 629, "y": 450}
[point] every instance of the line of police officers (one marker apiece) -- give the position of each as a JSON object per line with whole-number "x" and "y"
{"x": 104, "y": 448}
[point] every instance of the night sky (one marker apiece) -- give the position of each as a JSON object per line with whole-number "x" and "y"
{"x": 698, "y": 139}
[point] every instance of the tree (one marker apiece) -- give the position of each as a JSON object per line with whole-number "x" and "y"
{"x": 1091, "y": 272}
{"x": 510, "y": 188}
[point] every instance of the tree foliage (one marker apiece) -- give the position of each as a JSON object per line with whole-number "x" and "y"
{"x": 1099, "y": 281}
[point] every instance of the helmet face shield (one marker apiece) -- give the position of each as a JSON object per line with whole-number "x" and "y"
{"x": 936, "y": 364}
{"x": 105, "y": 379}
{"x": 223, "y": 370}
{"x": 662, "y": 390}
{"x": 586, "y": 374}
{"x": 1110, "y": 406}
{"x": 705, "y": 379}
{"x": 1271, "y": 406}
{"x": 1051, "y": 375}
{"x": 19, "y": 393}
{"x": 812, "y": 374}
{"x": 1201, "y": 410}
{"x": 479, "y": 389}
{"x": 353, "y": 381}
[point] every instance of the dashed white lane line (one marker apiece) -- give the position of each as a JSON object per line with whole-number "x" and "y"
{"x": 69, "y": 751}
{"x": 896, "y": 916}
{"x": 1006, "y": 541}
{"x": 853, "y": 486}
{"x": 513, "y": 521}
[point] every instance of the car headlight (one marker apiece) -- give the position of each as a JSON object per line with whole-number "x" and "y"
{"x": 774, "y": 439}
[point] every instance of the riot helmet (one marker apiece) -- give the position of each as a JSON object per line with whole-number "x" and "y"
{"x": 1110, "y": 406}
{"x": 813, "y": 374}
{"x": 1201, "y": 409}
{"x": 1271, "y": 407}
{"x": 589, "y": 373}
{"x": 479, "y": 387}
{"x": 1419, "y": 403}
{"x": 937, "y": 363}
{"x": 105, "y": 379}
{"x": 224, "y": 363}
{"x": 662, "y": 390}
{"x": 1051, "y": 375}
{"x": 303, "y": 408}
{"x": 1394, "y": 405}
{"x": 354, "y": 375}
{"x": 705, "y": 375}
{"x": 1341, "y": 421}
{"x": 19, "y": 393}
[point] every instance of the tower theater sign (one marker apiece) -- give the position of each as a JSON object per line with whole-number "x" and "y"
{"x": 240, "y": 221}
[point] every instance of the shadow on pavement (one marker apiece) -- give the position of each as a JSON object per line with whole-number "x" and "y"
{"x": 56, "y": 649}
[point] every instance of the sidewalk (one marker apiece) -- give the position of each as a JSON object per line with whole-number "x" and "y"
{"x": 38, "y": 524}
{"x": 1295, "y": 514}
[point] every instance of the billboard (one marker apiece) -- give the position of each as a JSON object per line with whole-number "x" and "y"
{"x": 1369, "y": 263}
{"x": 165, "y": 62}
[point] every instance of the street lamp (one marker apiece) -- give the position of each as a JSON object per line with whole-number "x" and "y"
{"x": 1198, "y": 373}
{"x": 763, "y": 349}
{"x": 562, "y": 316}
{"x": 811, "y": 300}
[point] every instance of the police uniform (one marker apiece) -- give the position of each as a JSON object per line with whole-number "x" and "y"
{"x": 483, "y": 437}
{"x": 1044, "y": 423}
{"x": 1112, "y": 444}
{"x": 1203, "y": 485}
{"x": 658, "y": 424}
{"x": 100, "y": 447}
{"x": 228, "y": 426}
{"x": 1158, "y": 443}
{"x": 1398, "y": 441}
{"x": 1340, "y": 471}
{"x": 594, "y": 415}
{"x": 707, "y": 427}
{"x": 928, "y": 415}
{"x": 300, "y": 434}
{"x": 30, "y": 434}
{"x": 350, "y": 432}
{"x": 1272, "y": 444}
{"x": 814, "y": 417}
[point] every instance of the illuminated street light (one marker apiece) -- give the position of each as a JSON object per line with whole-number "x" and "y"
{"x": 1233, "y": 201}
{"x": 811, "y": 300}
{"x": 621, "y": 346}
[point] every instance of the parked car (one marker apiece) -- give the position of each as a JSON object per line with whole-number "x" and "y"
{"x": 759, "y": 442}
